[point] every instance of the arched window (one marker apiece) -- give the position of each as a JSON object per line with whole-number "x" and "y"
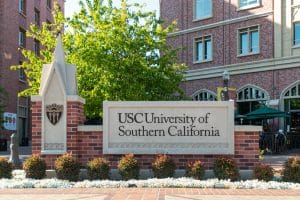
{"x": 249, "y": 98}
{"x": 204, "y": 95}
{"x": 291, "y": 99}
{"x": 251, "y": 93}
{"x": 292, "y": 91}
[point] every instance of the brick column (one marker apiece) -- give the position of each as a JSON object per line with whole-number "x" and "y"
{"x": 75, "y": 117}
{"x": 36, "y": 123}
{"x": 246, "y": 149}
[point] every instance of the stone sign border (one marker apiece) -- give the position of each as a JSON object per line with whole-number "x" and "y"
{"x": 226, "y": 147}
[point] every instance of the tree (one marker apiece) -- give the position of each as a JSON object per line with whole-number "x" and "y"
{"x": 116, "y": 51}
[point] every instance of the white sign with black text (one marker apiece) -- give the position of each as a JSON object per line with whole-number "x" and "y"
{"x": 168, "y": 127}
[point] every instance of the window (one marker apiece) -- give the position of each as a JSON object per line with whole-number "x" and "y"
{"x": 21, "y": 74}
{"x": 37, "y": 17}
{"x": 22, "y": 125}
{"x": 203, "y": 49}
{"x": 249, "y": 98}
{"x": 22, "y": 6}
{"x": 37, "y": 47}
{"x": 251, "y": 93}
{"x": 248, "y": 41}
{"x": 292, "y": 91}
{"x": 291, "y": 97}
{"x": 204, "y": 95}
{"x": 296, "y": 33}
{"x": 22, "y": 39}
{"x": 249, "y": 3}
{"x": 49, "y": 4}
{"x": 203, "y": 9}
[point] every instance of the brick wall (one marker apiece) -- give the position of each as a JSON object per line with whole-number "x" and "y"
{"x": 224, "y": 37}
{"x": 86, "y": 145}
{"x": 274, "y": 82}
{"x": 246, "y": 152}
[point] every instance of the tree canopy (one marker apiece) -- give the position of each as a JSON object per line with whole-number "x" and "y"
{"x": 120, "y": 54}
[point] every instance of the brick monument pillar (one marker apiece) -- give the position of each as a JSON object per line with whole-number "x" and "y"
{"x": 57, "y": 110}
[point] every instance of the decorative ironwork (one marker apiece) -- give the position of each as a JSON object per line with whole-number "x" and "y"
{"x": 54, "y": 112}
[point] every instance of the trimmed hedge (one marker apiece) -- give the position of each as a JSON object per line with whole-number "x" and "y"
{"x": 35, "y": 167}
{"x": 5, "y": 168}
{"x": 226, "y": 168}
{"x": 98, "y": 168}
{"x": 129, "y": 167}
{"x": 67, "y": 167}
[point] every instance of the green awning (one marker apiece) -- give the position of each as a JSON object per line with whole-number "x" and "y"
{"x": 238, "y": 116}
{"x": 265, "y": 112}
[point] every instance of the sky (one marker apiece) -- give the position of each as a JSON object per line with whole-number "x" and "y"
{"x": 72, "y": 6}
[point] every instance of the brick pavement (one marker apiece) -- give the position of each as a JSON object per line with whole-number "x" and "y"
{"x": 147, "y": 193}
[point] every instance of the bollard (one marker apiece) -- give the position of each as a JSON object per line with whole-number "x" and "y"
{"x": 14, "y": 151}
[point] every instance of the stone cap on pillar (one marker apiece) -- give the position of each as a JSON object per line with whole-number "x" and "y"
{"x": 65, "y": 73}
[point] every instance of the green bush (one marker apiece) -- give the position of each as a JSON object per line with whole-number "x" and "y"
{"x": 67, "y": 167}
{"x": 291, "y": 170}
{"x": 35, "y": 167}
{"x": 226, "y": 168}
{"x": 163, "y": 166}
{"x": 195, "y": 169}
{"x": 263, "y": 172}
{"x": 98, "y": 168}
{"x": 5, "y": 168}
{"x": 128, "y": 167}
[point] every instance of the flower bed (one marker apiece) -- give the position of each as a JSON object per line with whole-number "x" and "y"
{"x": 19, "y": 181}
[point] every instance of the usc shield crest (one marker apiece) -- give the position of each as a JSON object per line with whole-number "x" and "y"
{"x": 54, "y": 112}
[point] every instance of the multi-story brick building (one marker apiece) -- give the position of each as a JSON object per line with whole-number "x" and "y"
{"x": 256, "y": 41}
{"x": 15, "y": 18}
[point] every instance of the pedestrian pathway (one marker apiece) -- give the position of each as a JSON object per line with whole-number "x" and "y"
{"x": 147, "y": 193}
{"x": 276, "y": 161}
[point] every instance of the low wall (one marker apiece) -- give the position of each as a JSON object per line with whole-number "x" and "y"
{"x": 86, "y": 144}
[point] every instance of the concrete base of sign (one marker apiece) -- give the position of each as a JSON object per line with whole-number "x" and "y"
{"x": 146, "y": 173}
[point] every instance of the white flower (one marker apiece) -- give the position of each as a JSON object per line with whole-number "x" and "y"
{"x": 19, "y": 181}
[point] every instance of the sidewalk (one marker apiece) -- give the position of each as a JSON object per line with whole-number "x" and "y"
{"x": 276, "y": 161}
{"x": 147, "y": 193}
{"x": 24, "y": 152}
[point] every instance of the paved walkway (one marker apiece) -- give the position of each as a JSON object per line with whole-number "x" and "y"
{"x": 147, "y": 193}
{"x": 276, "y": 161}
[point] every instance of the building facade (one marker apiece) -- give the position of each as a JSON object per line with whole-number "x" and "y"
{"x": 16, "y": 16}
{"x": 256, "y": 41}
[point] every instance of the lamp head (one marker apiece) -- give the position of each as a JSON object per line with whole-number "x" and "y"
{"x": 226, "y": 75}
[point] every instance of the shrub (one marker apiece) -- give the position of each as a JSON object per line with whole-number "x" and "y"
{"x": 163, "y": 166}
{"x": 128, "y": 167}
{"x": 98, "y": 168}
{"x": 5, "y": 168}
{"x": 263, "y": 172}
{"x": 35, "y": 167}
{"x": 226, "y": 168}
{"x": 67, "y": 167}
{"x": 291, "y": 170}
{"x": 195, "y": 169}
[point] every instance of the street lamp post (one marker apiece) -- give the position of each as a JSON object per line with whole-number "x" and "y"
{"x": 226, "y": 78}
